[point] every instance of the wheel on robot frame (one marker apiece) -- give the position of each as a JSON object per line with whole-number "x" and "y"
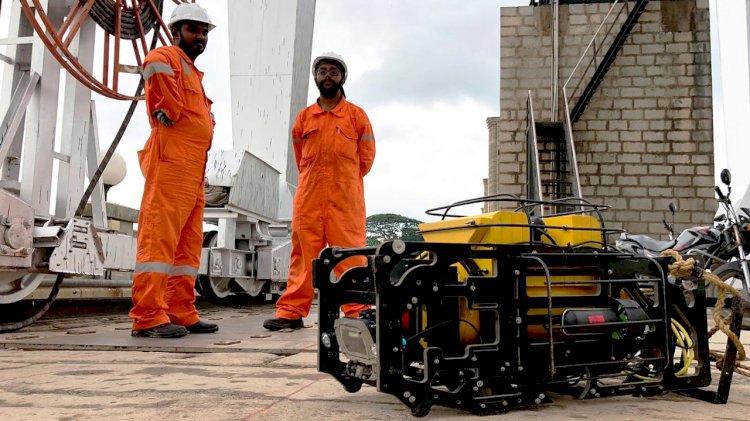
{"x": 421, "y": 410}
{"x": 124, "y": 26}
{"x": 353, "y": 387}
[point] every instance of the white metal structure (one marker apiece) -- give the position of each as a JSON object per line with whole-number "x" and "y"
{"x": 258, "y": 177}
{"x": 29, "y": 106}
{"x": 730, "y": 53}
{"x": 269, "y": 83}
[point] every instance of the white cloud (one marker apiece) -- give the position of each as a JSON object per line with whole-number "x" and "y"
{"x": 427, "y": 74}
{"x": 428, "y": 155}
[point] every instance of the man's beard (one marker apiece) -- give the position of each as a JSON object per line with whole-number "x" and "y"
{"x": 192, "y": 49}
{"x": 329, "y": 92}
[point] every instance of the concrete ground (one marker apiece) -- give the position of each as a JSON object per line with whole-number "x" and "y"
{"x": 89, "y": 368}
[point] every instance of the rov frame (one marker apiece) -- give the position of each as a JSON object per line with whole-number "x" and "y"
{"x": 486, "y": 327}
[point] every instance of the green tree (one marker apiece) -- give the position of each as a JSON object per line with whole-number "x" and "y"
{"x": 390, "y": 226}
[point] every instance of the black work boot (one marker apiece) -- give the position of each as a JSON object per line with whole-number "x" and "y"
{"x": 278, "y": 323}
{"x": 202, "y": 327}
{"x": 167, "y": 330}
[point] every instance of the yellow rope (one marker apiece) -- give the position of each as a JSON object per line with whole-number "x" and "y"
{"x": 739, "y": 368}
{"x": 682, "y": 268}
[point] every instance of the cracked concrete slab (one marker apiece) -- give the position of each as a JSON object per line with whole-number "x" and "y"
{"x": 125, "y": 379}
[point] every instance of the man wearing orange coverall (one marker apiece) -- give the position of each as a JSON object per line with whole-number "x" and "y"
{"x": 334, "y": 147}
{"x": 170, "y": 225}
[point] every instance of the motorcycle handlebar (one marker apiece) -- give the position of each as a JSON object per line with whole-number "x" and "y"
{"x": 719, "y": 193}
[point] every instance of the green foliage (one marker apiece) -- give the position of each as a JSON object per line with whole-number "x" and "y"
{"x": 390, "y": 226}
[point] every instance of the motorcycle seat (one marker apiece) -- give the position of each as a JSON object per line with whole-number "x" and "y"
{"x": 650, "y": 244}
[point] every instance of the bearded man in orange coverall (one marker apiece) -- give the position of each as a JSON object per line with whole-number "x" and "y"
{"x": 334, "y": 148}
{"x": 170, "y": 225}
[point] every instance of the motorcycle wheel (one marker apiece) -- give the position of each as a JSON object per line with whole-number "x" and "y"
{"x": 732, "y": 276}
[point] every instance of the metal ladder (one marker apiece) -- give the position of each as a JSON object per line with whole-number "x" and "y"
{"x": 604, "y": 63}
{"x": 552, "y": 170}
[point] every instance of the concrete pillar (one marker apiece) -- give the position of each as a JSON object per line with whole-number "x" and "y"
{"x": 731, "y": 89}
{"x": 270, "y": 43}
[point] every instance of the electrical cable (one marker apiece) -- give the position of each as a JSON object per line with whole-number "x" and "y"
{"x": 685, "y": 342}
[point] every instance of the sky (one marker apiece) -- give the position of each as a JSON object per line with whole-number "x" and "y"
{"x": 428, "y": 78}
{"x": 426, "y": 72}
{"x": 731, "y": 94}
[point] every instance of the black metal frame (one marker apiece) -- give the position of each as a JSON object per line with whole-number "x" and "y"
{"x": 507, "y": 200}
{"x": 609, "y": 58}
{"x": 522, "y": 348}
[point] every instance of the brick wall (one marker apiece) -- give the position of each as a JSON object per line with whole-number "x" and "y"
{"x": 646, "y": 137}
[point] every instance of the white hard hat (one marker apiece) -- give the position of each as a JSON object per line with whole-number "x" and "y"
{"x": 331, "y": 56}
{"x": 190, "y": 11}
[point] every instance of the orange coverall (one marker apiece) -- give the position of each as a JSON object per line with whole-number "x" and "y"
{"x": 170, "y": 224}
{"x": 334, "y": 150}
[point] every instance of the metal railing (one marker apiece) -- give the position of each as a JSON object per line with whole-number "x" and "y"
{"x": 555, "y": 57}
{"x": 533, "y": 175}
{"x": 572, "y": 161}
{"x": 590, "y": 59}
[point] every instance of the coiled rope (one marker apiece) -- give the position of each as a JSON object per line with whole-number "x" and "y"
{"x": 682, "y": 268}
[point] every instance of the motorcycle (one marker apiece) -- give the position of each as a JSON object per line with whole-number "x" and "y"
{"x": 712, "y": 246}
{"x": 719, "y": 249}
{"x": 736, "y": 272}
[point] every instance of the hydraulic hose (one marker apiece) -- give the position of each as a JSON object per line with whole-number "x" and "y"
{"x": 103, "y": 13}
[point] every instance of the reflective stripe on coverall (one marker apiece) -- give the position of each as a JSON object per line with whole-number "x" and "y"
{"x": 334, "y": 150}
{"x": 170, "y": 224}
